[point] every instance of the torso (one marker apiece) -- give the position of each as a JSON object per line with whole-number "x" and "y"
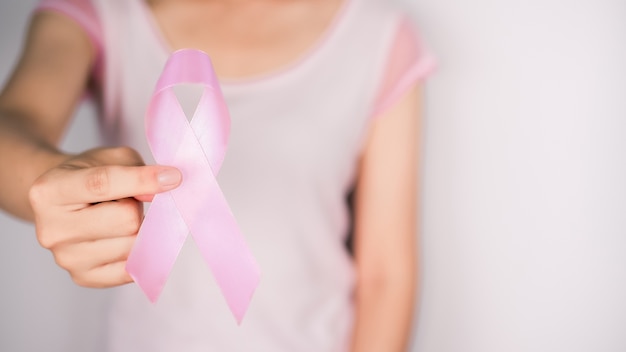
{"x": 295, "y": 141}
{"x": 245, "y": 38}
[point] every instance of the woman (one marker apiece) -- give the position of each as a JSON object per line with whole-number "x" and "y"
{"x": 325, "y": 100}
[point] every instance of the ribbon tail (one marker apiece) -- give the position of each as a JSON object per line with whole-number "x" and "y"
{"x": 157, "y": 246}
{"x": 224, "y": 249}
{"x": 219, "y": 240}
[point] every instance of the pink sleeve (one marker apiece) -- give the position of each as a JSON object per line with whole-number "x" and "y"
{"x": 408, "y": 62}
{"x": 84, "y": 14}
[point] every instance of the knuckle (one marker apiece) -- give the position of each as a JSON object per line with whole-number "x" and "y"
{"x": 123, "y": 277}
{"x": 38, "y": 191}
{"x": 130, "y": 216}
{"x": 127, "y": 155}
{"x": 45, "y": 239}
{"x": 134, "y": 224}
{"x": 80, "y": 279}
{"x": 97, "y": 182}
{"x": 64, "y": 261}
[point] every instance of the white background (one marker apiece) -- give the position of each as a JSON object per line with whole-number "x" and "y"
{"x": 524, "y": 235}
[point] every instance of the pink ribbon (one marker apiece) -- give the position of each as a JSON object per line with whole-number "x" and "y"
{"x": 198, "y": 206}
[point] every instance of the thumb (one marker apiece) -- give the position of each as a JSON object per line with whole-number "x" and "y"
{"x": 105, "y": 183}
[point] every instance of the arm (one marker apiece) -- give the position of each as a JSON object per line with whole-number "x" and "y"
{"x": 85, "y": 207}
{"x": 385, "y": 230}
{"x": 37, "y": 103}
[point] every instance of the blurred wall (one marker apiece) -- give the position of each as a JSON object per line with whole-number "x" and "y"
{"x": 524, "y": 197}
{"x": 525, "y": 190}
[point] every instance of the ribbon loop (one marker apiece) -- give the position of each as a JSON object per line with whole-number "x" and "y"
{"x": 197, "y": 149}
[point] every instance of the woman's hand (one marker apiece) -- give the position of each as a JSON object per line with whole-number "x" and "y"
{"x": 88, "y": 211}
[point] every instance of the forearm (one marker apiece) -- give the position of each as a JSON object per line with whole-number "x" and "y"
{"x": 37, "y": 102}
{"x": 384, "y": 314}
{"x": 24, "y": 156}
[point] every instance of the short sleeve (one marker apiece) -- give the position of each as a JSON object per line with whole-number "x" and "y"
{"x": 85, "y": 15}
{"x": 408, "y": 62}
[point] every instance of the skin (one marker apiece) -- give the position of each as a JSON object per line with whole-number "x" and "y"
{"x": 87, "y": 208}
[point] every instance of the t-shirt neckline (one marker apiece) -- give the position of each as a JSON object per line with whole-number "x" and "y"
{"x": 310, "y": 55}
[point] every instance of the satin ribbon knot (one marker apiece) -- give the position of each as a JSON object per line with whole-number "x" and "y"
{"x": 197, "y": 206}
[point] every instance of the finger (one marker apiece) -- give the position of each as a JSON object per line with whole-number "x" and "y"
{"x": 117, "y": 156}
{"x": 103, "y": 220}
{"x": 106, "y": 183}
{"x": 108, "y": 219}
{"x": 108, "y": 275}
{"x": 85, "y": 256}
{"x": 145, "y": 197}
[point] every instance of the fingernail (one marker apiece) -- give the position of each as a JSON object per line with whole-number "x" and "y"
{"x": 169, "y": 177}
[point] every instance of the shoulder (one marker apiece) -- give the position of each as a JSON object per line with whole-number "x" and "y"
{"x": 83, "y": 12}
{"x": 390, "y": 24}
{"x": 407, "y": 58}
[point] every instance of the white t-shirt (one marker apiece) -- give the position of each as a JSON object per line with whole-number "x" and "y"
{"x": 296, "y": 137}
